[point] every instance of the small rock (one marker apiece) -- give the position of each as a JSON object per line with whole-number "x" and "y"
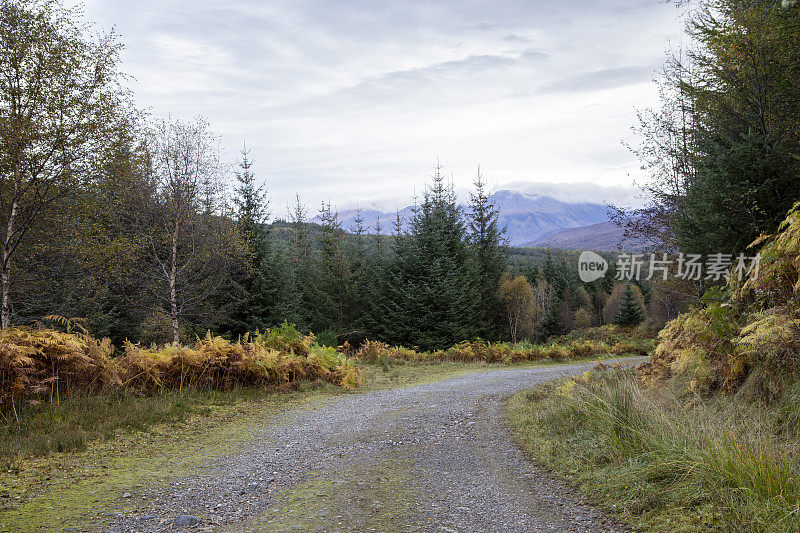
{"x": 127, "y": 495}
{"x": 186, "y": 520}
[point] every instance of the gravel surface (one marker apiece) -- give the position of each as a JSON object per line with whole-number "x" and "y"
{"x": 434, "y": 457}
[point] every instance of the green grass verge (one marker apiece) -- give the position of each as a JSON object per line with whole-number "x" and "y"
{"x": 660, "y": 461}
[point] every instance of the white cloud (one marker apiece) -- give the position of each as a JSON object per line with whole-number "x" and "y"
{"x": 578, "y": 192}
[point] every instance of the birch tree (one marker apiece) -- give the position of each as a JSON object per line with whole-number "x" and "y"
{"x": 58, "y": 90}
{"x": 192, "y": 245}
{"x": 520, "y": 303}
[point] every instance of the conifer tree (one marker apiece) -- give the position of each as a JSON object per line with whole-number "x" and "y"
{"x": 335, "y": 274}
{"x": 306, "y": 298}
{"x": 252, "y": 212}
{"x": 431, "y": 296}
{"x": 630, "y": 314}
{"x": 252, "y": 206}
{"x": 359, "y": 252}
{"x": 374, "y": 274}
{"x": 486, "y": 239}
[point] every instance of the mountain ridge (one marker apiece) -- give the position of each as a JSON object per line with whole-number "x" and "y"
{"x": 526, "y": 216}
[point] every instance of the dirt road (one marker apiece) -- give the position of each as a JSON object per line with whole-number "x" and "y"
{"x": 434, "y": 457}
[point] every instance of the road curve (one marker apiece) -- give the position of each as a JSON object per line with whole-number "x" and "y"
{"x": 433, "y": 457}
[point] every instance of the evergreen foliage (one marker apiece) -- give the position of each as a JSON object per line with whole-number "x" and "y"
{"x": 486, "y": 239}
{"x": 630, "y": 313}
{"x": 431, "y": 293}
{"x": 724, "y": 148}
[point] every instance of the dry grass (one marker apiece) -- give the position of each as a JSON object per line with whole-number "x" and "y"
{"x": 504, "y": 353}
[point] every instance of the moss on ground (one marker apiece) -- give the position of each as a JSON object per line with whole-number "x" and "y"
{"x": 69, "y": 489}
{"x": 364, "y": 496}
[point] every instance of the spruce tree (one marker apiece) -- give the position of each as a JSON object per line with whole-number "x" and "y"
{"x": 359, "y": 249}
{"x": 252, "y": 206}
{"x": 335, "y": 278}
{"x": 630, "y": 313}
{"x": 252, "y": 212}
{"x": 431, "y": 297}
{"x": 374, "y": 274}
{"x": 308, "y": 303}
{"x": 274, "y": 299}
{"x": 486, "y": 239}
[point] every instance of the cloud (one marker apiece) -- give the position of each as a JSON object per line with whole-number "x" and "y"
{"x": 578, "y": 192}
{"x": 355, "y": 100}
{"x": 597, "y": 80}
{"x": 514, "y": 38}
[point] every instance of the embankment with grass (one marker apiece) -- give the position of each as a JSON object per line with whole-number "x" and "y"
{"x": 660, "y": 465}
{"x": 704, "y": 436}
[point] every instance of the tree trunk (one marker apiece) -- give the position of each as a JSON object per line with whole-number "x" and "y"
{"x": 173, "y": 293}
{"x": 5, "y": 276}
{"x": 6, "y": 290}
{"x": 174, "y": 310}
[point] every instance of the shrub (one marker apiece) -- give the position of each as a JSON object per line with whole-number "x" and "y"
{"x": 768, "y": 349}
{"x": 373, "y": 351}
{"x": 276, "y": 357}
{"x": 499, "y": 352}
{"x": 777, "y": 282}
{"x": 746, "y": 332}
{"x": 327, "y": 337}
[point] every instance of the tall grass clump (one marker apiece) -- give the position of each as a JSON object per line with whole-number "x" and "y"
{"x": 661, "y": 463}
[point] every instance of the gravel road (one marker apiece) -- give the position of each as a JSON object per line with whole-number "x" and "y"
{"x": 434, "y": 457}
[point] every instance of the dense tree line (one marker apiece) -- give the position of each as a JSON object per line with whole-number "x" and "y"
{"x": 130, "y": 223}
{"x": 136, "y": 227}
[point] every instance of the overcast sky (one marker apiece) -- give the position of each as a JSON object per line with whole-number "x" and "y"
{"x": 354, "y": 101}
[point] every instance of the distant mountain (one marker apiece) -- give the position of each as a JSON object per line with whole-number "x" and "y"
{"x": 526, "y": 216}
{"x": 529, "y": 216}
{"x": 602, "y": 237}
{"x": 370, "y": 218}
